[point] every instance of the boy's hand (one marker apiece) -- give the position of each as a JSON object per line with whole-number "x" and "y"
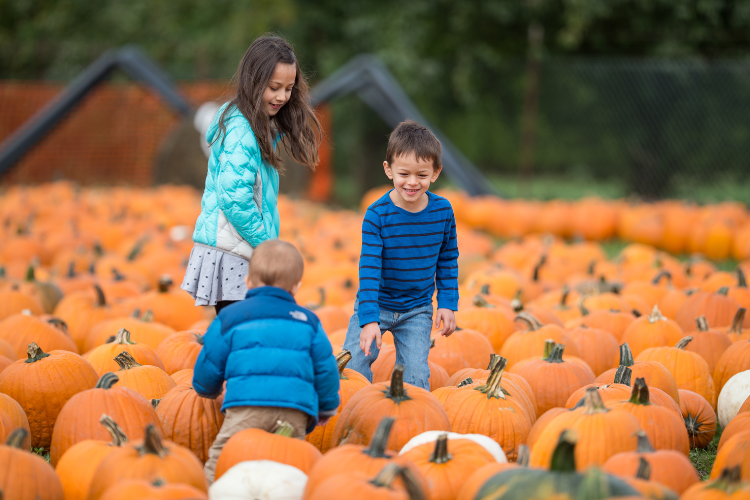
{"x": 370, "y": 332}
{"x": 448, "y": 319}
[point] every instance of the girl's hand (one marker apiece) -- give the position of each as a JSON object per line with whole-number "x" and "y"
{"x": 448, "y": 319}
{"x": 370, "y": 332}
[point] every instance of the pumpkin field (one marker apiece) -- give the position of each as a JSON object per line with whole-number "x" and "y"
{"x": 575, "y": 371}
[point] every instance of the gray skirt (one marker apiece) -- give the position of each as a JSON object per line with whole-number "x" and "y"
{"x": 213, "y": 275}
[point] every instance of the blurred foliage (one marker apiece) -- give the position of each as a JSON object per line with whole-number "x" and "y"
{"x": 462, "y": 62}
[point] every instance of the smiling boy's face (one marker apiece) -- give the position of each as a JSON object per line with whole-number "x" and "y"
{"x": 411, "y": 179}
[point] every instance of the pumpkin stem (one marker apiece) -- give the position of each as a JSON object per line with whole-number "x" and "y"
{"x": 155, "y": 403}
{"x": 639, "y": 394}
{"x": 342, "y": 359}
{"x": 682, "y": 344}
{"x": 523, "y": 455}
{"x": 101, "y": 300}
{"x": 466, "y": 381}
{"x": 165, "y": 282}
{"x": 516, "y": 303}
{"x": 35, "y": 353}
{"x": 390, "y": 472}
{"x": 285, "y": 429}
{"x": 152, "y": 443}
{"x": 136, "y": 313}
{"x": 118, "y": 436}
{"x": 16, "y": 438}
{"x": 126, "y": 361}
{"x": 493, "y": 361}
{"x": 564, "y": 458}
{"x": 702, "y": 323}
{"x": 379, "y": 441}
{"x": 656, "y": 315}
{"x": 148, "y": 316}
{"x": 644, "y": 469}
{"x": 30, "y": 278}
{"x": 729, "y": 480}
{"x": 59, "y": 324}
{"x": 564, "y": 297}
{"x": 662, "y": 274}
{"x": 531, "y": 321}
{"x": 556, "y": 354}
{"x": 592, "y": 402}
{"x": 492, "y": 388}
{"x": 739, "y": 318}
{"x": 480, "y": 301}
{"x": 622, "y": 375}
{"x": 549, "y": 344}
{"x": 741, "y": 281}
{"x": 538, "y": 267}
{"x": 485, "y": 289}
{"x": 107, "y": 380}
{"x": 644, "y": 444}
{"x": 626, "y": 355}
{"x": 123, "y": 337}
{"x": 396, "y": 391}
{"x": 440, "y": 455}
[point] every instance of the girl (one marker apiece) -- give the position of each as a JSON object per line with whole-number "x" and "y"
{"x": 239, "y": 206}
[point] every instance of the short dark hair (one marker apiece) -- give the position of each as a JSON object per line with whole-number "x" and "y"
{"x": 411, "y": 137}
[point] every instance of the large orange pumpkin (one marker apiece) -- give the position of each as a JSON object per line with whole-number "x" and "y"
{"x": 20, "y": 330}
{"x": 654, "y": 330}
{"x": 82, "y": 310}
{"x": 614, "y": 322}
{"x": 463, "y": 349}
{"x": 735, "y": 359}
{"x": 102, "y": 358}
{"x": 738, "y": 424}
{"x": 150, "y": 459}
{"x": 150, "y": 381}
{"x": 490, "y": 321}
{"x": 530, "y": 342}
{"x": 24, "y": 475}
{"x": 17, "y": 417}
{"x": 79, "y": 418}
{"x": 257, "y": 444}
{"x": 180, "y": 350}
{"x": 364, "y": 411}
{"x": 14, "y": 301}
{"x": 175, "y": 309}
{"x": 716, "y": 307}
{"x": 42, "y": 384}
{"x": 601, "y": 348}
{"x": 734, "y": 452}
{"x": 143, "y": 330}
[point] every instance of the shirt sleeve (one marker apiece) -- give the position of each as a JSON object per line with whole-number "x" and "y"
{"x": 446, "y": 276}
{"x": 208, "y": 377}
{"x": 370, "y": 269}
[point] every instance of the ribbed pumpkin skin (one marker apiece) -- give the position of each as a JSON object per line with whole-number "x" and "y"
{"x": 710, "y": 345}
{"x": 190, "y": 420}
{"x": 180, "y": 350}
{"x": 699, "y": 417}
{"x": 541, "y": 424}
{"x": 463, "y": 349}
{"x": 43, "y": 387}
{"x": 20, "y": 330}
{"x": 176, "y": 465}
{"x": 445, "y": 479}
{"x": 418, "y": 413}
{"x": 12, "y": 302}
{"x": 349, "y": 383}
{"x": 143, "y": 332}
{"x": 7, "y": 351}
{"x": 530, "y": 343}
{"x": 614, "y": 322}
{"x": 717, "y": 489}
{"x": 17, "y": 416}
{"x": 79, "y": 418}
{"x": 183, "y": 377}
{"x": 6, "y": 426}
{"x": 25, "y": 476}
{"x": 81, "y": 312}
{"x": 138, "y": 488}
{"x": 738, "y": 424}
{"x": 102, "y": 358}
{"x": 600, "y": 350}
{"x": 490, "y": 322}
{"x": 689, "y": 370}
{"x": 257, "y": 444}
{"x": 601, "y": 434}
{"x": 5, "y": 362}
{"x": 652, "y": 330}
{"x": 149, "y": 381}
{"x": 735, "y": 359}
{"x": 668, "y": 467}
{"x": 77, "y": 466}
{"x": 735, "y": 451}
{"x": 608, "y": 392}
{"x": 718, "y": 309}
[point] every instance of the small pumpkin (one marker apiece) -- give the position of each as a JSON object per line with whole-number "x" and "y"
{"x": 82, "y": 310}
{"x": 614, "y": 322}
{"x": 709, "y": 343}
{"x": 530, "y": 342}
{"x": 143, "y": 330}
{"x": 699, "y": 417}
{"x": 180, "y": 350}
{"x": 24, "y": 475}
{"x": 175, "y": 309}
{"x": 601, "y": 352}
{"x": 102, "y": 358}
{"x": 150, "y": 381}
{"x": 654, "y": 330}
{"x": 463, "y": 349}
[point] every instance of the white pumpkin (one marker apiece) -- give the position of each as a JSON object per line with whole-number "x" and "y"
{"x": 485, "y": 442}
{"x": 734, "y": 393}
{"x": 259, "y": 479}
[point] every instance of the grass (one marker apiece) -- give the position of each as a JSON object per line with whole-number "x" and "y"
{"x": 42, "y": 452}
{"x": 703, "y": 459}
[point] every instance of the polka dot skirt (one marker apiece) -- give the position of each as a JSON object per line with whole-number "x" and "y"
{"x": 213, "y": 275}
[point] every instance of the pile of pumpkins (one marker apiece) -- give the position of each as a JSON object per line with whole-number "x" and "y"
{"x": 571, "y": 374}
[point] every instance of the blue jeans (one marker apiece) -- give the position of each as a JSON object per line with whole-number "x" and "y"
{"x": 411, "y": 336}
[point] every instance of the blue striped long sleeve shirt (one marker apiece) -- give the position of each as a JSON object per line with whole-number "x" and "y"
{"x": 404, "y": 256}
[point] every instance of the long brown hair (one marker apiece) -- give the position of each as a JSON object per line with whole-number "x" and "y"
{"x": 295, "y": 121}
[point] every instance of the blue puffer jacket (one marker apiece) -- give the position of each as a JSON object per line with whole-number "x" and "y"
{"x": 239, "y": 207}
{"x": 271, "y": 352}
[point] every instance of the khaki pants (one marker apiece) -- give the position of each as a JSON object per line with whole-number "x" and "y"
{"x": 252, "y": 417}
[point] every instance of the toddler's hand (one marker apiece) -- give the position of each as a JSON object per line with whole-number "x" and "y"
{"x": 370, "y": 332}
{"x": 448, "y": 319}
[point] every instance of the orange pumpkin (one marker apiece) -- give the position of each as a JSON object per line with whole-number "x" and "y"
{"x": 709, "y": 343}
{"x": 601, "y": 352}
{"x": 734, "y": 452}
{"x": 183, "y": 377}
{"x": 382, "y": 487}
{"x": 350, "y": 382}
{"x": 180, "y": 350}
{"x": 42, "y": 384}
{"x": 529, "y": 343}
{"x": 462, "y": 349}
{"x": 257, "y": 444}
{"x": 700, "y": 418}
{"x": 19, "y": 330}
{"x": 14, "y": 302}
{"x": 654, "y": 330}
{"x": 150, "y": 459}
{"x": 17, "y": 417}
{"x": 614, "y": 322}
{"x": 150, "y": 381}
{"x": 175, "y": 309}
{"x": 24, "y": 475}
{"x": 143, "y": 330}
{"x": 102, "y": 358}
{"x": 717, "y": 307}
{"x": 735, "y": 359}
{"x": 383, "y": 367}
{"x": 476, "y": 479}
{"x": 727, "y": 485}
{"x": 735, "y": 330}
{"x": 158, "y": 490}
{"x": 738, "y": 424}
{"x": 82, "y": 310}
{"x": 490, "y": 321}
{"x": 366, "y": 408}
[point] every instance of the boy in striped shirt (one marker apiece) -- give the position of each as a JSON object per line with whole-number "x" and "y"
{"x": 409, "y": 248}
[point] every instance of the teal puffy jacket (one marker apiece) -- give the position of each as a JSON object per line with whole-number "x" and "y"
{"x": 239, "y": 209}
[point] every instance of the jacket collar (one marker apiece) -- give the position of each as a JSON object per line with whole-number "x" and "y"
{"x": 270, "y": 291}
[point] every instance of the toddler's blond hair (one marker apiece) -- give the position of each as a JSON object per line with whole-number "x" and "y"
{"x": 276, "y": 263}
